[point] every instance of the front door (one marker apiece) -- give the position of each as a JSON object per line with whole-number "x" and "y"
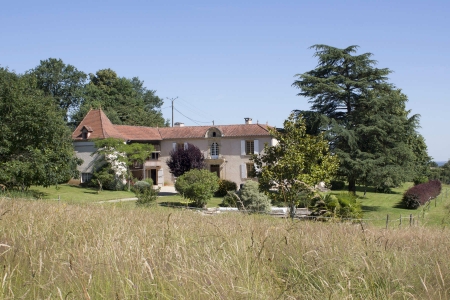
{"x": 153, "y": 176}
{"x": 216, "y": 169}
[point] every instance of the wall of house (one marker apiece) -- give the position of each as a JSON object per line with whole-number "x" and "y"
{"x": 84, "y": 150}
{"x": 230, "y": 157}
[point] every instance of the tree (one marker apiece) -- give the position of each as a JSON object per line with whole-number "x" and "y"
{"x": 184, "y": 159}
{"x": 125, "y": 101}
{"x": 295, "y": 164}
{"x": 198, "y": 186}
{"x": 119, "y": 156}
{"x": 363, "y": 117}
{"x": 36, "y": 146}
{"x": 64, "y": 83}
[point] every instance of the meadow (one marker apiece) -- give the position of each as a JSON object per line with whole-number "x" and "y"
{"x": 67, "y": 250}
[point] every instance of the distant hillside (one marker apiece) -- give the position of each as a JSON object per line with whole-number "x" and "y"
{"x": 441, "y": 163}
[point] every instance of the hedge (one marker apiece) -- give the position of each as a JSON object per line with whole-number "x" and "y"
{"x": 420, "y": 194}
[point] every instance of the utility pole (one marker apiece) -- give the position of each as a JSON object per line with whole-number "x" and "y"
{"x": 173, "y": 99}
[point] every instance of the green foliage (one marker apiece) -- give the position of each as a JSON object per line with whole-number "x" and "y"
{"x": 36, "y": 146}
{"x": 141, "y": 185}
{"x": 342, "y": 206}
{"x": 230, "y": 200}
{"x": 125, "y": 101}
{"x": 337, "y": 185}
{"x": 197, "y": 185}
{"x": 294, "y": 165}
{"x": 420, "y": 180}
{"x": 253, "y": 199}
{"x": 64, "y": 83}
{"x": 363, "y": 117}
{"x": 145, "y": 193}
{"x": 224, "y": 187}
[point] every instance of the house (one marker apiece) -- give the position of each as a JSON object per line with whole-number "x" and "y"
{"x": 227, "y": 148}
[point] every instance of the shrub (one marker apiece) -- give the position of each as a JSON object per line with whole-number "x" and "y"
{"x": 224, "y": 187}
{"x": 146, "y": 194}
{"x": 229, "y": 200}
{"x": 344, "y": 206}
{"x": 337, "y": 185}
{"x": 197, "y": 185}
{"x": 421, "y": 194}
{"x": 252, "y": 199}
{"x": 420, "y": 179}
{"x": 141, "y": 185}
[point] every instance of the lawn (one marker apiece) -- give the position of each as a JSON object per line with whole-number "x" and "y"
{"x": 377, "y": 206}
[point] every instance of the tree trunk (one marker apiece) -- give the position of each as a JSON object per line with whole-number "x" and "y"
{"x": 352, "y": 185}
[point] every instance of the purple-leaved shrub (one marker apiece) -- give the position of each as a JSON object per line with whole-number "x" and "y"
{"x": 419, "y": 195}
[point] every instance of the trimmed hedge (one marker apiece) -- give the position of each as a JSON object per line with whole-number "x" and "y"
{"x": 420, "y": 194}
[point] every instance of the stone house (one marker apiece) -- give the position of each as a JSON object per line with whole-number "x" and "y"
{"x": 227, "y": 148}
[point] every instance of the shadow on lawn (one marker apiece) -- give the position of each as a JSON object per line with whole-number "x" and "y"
{"x": 177, "y": 204}
{"x": 370, "y": 208}
{"x": 371, "y": 189}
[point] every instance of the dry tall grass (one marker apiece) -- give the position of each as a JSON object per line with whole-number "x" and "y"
{"x": 57, "y": 251}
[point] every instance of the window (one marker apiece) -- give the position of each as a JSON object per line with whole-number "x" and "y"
{"x": 86, "y": 177}
{"x": 214, "y": 134}
{"x": 250, "y": 170}
{"x": 215, "y": 150}
{"x": 137, "y": 165}
{"x": 155, "y": 155}
{"x": 84, "y": 135}
{"x": 249, "y": 147}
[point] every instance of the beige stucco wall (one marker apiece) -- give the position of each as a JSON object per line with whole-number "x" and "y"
{"x": 230, "y": 158}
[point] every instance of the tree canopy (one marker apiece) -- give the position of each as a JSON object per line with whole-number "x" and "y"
{"x": 36, "y": 146}
{"x": 184, "y": 159}
{"x": 64, "y": 83}
{"x": 295, "y": 164}
{"x": 125, "y": 101}
{"x": 363, "y": 117}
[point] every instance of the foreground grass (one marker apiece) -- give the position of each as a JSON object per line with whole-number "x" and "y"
{"x": 51, "y": 250}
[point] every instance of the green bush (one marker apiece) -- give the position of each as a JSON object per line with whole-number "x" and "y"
{"x": 141, "y": 185}
{"x": 224, "y": 187}
{"x": 254, "y": 200}
{"x": 229, "y": 200}
{"x": 337, "y": 185}
{"x": 146, "y": 195}
{"x": 197, "y": 185}
{"x": 420, "y": 180}
{"x": 349, "y": 206}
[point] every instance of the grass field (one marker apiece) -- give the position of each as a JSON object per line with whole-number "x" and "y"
{"x": 56, "y": 250}
{"x": 376, "y": 206}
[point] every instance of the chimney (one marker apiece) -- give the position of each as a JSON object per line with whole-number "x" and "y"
{"x": 248, "y": 120}
{"x": 178, "y": 124}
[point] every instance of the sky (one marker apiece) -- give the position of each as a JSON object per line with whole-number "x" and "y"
{"x": 223, "y": 61}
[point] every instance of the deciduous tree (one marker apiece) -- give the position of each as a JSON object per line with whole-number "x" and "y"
{"x": 36, "y": 146}
{"x": 184, "y": 159}
{"x": 295, "y": 164}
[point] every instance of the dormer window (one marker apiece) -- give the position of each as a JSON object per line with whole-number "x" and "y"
{"x": 214, "y": 134}
{"x": 214, "y": 150}
{"x": 86, "y": 132}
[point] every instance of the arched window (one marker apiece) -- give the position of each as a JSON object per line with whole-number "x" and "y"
{"x": 214, "y": 150}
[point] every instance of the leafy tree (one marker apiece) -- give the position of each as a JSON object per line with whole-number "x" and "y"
{"x": 184, "y": 159}
{"x": 198, "y": 186}
{"x": 125, "y": 101}
{"x": 119, "y": 156}
{"x": 64, "y": 83}
{"x": 363, "y": 117}
{"x": 36, "y": 146}
{"x": 294, "y": 165}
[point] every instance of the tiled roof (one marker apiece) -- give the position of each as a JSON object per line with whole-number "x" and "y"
{"x": 101, "y": 127}
{"x": 200, "y": 131}
{"x": 139, "y": 133}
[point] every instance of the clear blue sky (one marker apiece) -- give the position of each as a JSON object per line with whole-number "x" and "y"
{"x": 233, "y": 59}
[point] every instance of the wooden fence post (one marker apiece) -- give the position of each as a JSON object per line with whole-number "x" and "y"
{"x": 387, "y": 221}
{"x": 410, "y": 220}
{"x": 400, "y": 221}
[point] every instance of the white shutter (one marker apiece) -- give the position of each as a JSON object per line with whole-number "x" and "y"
{"x": 185, "y": 146}
{"x": 256, "y": 147}
{"x": 174, "y": 146}
{"x": 160, "y": 177}
{"x": 243, "y": 171}
{"x": 243, "y": 147}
